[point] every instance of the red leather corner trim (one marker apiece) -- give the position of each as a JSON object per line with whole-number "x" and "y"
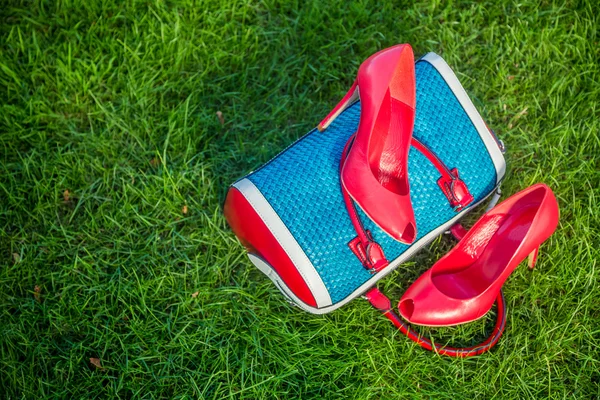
{"x": 254, "y": 234}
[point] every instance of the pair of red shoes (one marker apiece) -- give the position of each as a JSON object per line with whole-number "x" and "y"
{"x": 461, "y": 286}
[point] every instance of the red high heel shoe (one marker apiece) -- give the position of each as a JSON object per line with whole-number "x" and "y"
{"x": 375, "y": 172}
{"x": 462, "y": 286}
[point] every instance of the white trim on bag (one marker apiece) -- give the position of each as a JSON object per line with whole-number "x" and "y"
{"x": 288, "y": 244}
{"x": 465, "y": 101}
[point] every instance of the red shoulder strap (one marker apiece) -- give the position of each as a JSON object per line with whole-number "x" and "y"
{"x": 381, "y": 302}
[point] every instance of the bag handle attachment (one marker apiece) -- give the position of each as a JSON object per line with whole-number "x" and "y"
{"x": 454, "y": 188}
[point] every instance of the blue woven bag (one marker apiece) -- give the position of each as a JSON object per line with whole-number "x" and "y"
{"x": 291, "y": 216}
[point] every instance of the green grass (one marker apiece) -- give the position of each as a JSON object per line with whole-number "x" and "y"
{"x": 116, "y": 104}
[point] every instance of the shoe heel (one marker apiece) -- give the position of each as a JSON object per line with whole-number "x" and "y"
{"x": 347, "y": 100}
{"x": 532, "y": 259}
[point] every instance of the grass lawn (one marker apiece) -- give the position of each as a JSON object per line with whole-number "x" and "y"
{"x": 114, "y": 166}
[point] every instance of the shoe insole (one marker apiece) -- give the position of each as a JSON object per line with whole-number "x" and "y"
{"x": 389, "y": 145}
{"x": 493, "y": 261}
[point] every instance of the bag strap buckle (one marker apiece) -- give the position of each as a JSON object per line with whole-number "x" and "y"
{"x": 455, "y": 190}
{"x": 369, "y": 252}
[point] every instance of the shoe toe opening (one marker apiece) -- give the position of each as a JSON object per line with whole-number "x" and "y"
{"x": 407, "y": 307}
{"x": 409, "y": 233}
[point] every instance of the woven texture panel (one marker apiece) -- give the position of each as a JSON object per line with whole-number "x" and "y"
{"x": 302, "y": 183}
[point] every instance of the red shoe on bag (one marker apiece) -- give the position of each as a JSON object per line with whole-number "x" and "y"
{"x": 375, "y": 173}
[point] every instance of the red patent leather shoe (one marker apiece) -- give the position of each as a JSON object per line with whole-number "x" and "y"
{"x": 375, "y": 172}
{"x": 462, "y": 286}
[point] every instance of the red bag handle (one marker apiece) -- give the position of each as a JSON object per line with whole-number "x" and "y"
{"x": 381, "y": 302}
